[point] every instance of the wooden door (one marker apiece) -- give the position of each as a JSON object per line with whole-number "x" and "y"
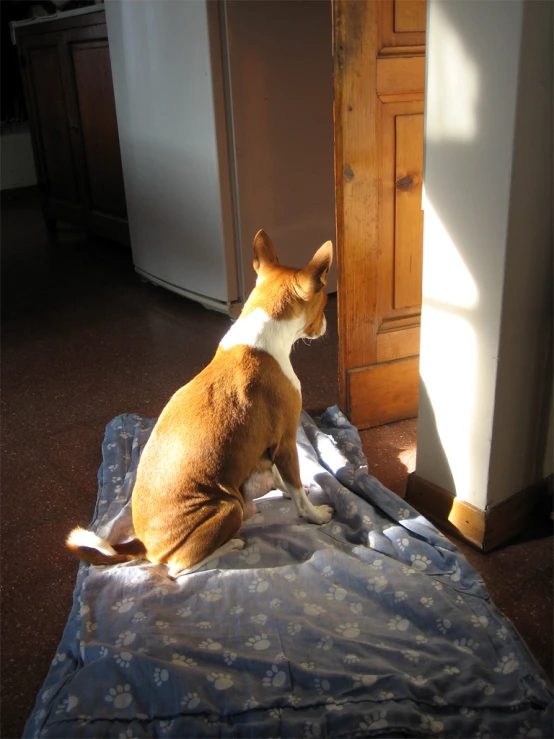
{"x": 379, "y": 53}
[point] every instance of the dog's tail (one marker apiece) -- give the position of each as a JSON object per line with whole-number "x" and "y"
{"x": 89, "y": 547}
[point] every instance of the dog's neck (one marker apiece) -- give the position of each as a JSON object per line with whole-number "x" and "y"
{"x": 275, "y": 337}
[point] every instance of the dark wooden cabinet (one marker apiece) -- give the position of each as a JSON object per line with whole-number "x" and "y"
{"x": 67, "y": 77}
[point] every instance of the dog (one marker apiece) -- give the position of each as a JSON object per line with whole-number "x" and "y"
{"x": 229, "y": 435}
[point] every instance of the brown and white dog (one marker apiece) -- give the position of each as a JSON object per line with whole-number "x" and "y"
{"x": 229, "y": 435}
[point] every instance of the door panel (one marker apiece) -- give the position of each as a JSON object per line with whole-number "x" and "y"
{"x": 379, "y": 92}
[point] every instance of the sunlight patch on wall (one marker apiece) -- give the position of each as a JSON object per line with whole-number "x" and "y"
{"x": 445, "y": 275}
{"x": 447, "y": 367}
{"x": 452, "y": 85}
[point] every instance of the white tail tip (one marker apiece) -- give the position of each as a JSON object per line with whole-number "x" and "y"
{"x": 82, "y": 538}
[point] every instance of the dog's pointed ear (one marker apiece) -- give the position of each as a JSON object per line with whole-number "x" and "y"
{"x": 264, "y": 252}
{"x": 313, "y": 277}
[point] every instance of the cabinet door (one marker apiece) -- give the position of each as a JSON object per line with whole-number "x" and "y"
{"x": 379, "y": 49}
{"x": 88, "y": 59}
{"x": 53, "y": 131}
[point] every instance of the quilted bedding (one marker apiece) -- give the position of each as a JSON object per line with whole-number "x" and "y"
{"x": 371, "y": 625}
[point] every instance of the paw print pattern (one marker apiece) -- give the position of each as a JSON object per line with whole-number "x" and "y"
{"x": 377, "y": 584}
{"x": 169, "y": 640}
{"x": 398, "y": 624}
{"x": 294, "y": 628}
{"x": 274, "y": 677}
{"x": 123, "y": 659}
{"x": 184, "y": 612}
{"x": 431, "y": 725}
{"x": 300, "y": 594}
{"x": 275, "y": 603}
{"x": 411, "y": 656}
{"x": 236, "y": 610}
{"x": 466, "y": 645}
{"x": 190, "y": 701}
{"x": 420, "y": 562}
{"x": 328, "y": 571}
{"x": 259, "y": 642}
{"x": 451, "y": 670}
{"x": 180, "y": 659}
{"x": 103, "y": 652}
{"x": 229, "y": 657}
{"x": 421, "y": 639}
{"x": 321, "y": 686}
{"x": 210, "y": 596}
{"x": 349, "y": 630}
{"x": 59, "y": 657}
{"x": 403, "y": 513}
{"x": 374, "y": 721}
{"x": 68, "y": 704}
{"x": 443, "y": 625}
{"x": 310, "y": 609}
{"x": 417, "y": 679}
{"x": 456, "y": 574}
{"x": 123, "y": 605}
{"x": 427, "y": 602}
{"x": 507, "y": 664}
{"x": 161, "y": 676}
{"x": 162, "y": 625}
{"x": 251, "y": 555}
{"x": 487, "y": 688}
{"x": 204, "y": 625}
{"x": 125, "y": 639}
{"x": 350, "y": 659}
{"x": 258, "y": 585}
{"x": 351, "y": 510}
{"x": 210, "y": 644}
{"x": 120, "y": 696}
{"x": 260, "y": 619}
{"x": 333, "y": 704}
{"x": 480, "y": 622}
{"x": 399, "y": 596}
{"x": 335, "y": 592}
{"x": 377, "y": 564}
{"x": 364, "y": 681}
{"x": 308, "y": 665}
{"x": 326, "y": 643}
{"x": 221, "y": 680}
{"x": 436, "y": 584}
{"x": 502, "y": 633}
{"x": 403, "y": 544}
{"x": 527, "y": 731}
{"x": 356, "y": 608}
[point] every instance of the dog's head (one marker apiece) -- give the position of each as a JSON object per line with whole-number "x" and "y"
{"x": 286, "y": 293}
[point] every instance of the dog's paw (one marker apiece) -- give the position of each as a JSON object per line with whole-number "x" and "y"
{"x": 235, "y": 544}
{"x": 286, "y": 494}
{"x": 320, "y": 514}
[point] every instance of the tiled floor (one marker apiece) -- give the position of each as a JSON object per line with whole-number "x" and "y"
{"x": 83, "y": 339}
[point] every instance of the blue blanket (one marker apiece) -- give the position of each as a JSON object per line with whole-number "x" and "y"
{"x": 371, "y": 625}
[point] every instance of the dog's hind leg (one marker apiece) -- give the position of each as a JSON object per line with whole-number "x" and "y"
{"x": 175, "y": 570}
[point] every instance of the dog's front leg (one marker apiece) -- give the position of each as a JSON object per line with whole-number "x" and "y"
{"x": 288, "y": 469}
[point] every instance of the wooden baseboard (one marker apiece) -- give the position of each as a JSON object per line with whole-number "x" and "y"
{"x": 486, "y": 529}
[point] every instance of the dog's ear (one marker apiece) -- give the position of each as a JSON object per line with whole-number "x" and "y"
{"x": 313, "y": 277}
{"x": 264, "y": 252}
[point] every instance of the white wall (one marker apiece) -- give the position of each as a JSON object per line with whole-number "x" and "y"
{"x": 484, "y": 288}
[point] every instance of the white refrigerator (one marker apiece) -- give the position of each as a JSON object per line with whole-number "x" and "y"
{"x": 225, "y": 116}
